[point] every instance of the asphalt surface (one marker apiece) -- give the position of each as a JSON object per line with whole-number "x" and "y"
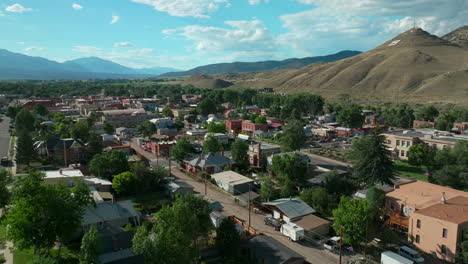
{"x": 4, "y": 136}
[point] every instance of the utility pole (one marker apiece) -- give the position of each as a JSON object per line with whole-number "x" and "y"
{"x": 341, "y": 243}
{"x": 170, "y": 164}
{"x": 65, "y": 154}
{"x": 249, "y": 206}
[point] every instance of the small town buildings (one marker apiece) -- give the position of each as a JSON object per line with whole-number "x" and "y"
{"x": 289, "y": 208}
{"x": 161, "y": 148}
{"x": 320, "y": 179}
{"x": 70, "y": 150}
{"x": 101, "y": 185}
{"x": 259, "y": 153}
{"x": 423, "y": 124}
{"x": 233, "y": 125}
{"x": 211, "y": 162}
{"x": 180, "y": 113}
{"x": 438, "y": 229}
{"x": 116, "y": 246}
{"x": 174, "y": 188}
{"x": 126, "y": 131}
{"x": 232, "y": 182}
{"x": 253, "y": 109}
{"x": 216, "y": 218}
{"x": 126, "y": 117}
{"x": 400, "y": 141}
{"x": 251, "y": 196}
{"x": 196, "y": 132}
{"x": 460, "y": 127}
{"x": 222, "y": 138}
{"x": 68, "y": 177}
{"x": 266, "y": 250}
{"x": 249, "y": 127}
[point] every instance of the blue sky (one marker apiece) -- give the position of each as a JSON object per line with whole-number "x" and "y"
{"x": 188, "y": 33}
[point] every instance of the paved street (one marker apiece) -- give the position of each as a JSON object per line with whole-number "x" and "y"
{"x": 4, "y": 136}
{"x": 312, "y": 254}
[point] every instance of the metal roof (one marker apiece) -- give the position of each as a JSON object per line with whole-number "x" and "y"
{"x": 292, "y": 207}
{"x": 211, "y": 159}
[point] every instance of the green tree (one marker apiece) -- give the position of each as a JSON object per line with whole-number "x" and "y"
{"x": 5, "y": 195}
{"x": 450, "y": 166}
{"x": 95, "y": 145}
{"x": 211, "y": 144}
{"x": 239, "y": 153}
{"x": 24, "y": 120}
{"x": 147, "y": 128}
{"x": 108, "y": 164}
{"x": 420, "y": 154}
{"x": 267, "y": 189}
{"x": 373, "y": 163}
{"x": 80, "y": 130}
{"x": 25, "y": 151}
{"x": 319, "y": 199}
{"x": 353, "y": 217}
{"x": 41, "y": 110}
{"x": 339, "y": 185}
{"x": 149, "y": 179}
{"x": 108, "y": 128}
{"x": 167, "y": 112}
{"x": 375, "y": 196}
{"x": 207, "y": 106}
{"x": 401, "y": 115}
{"x": 125, "y": 183}
{"x": 172, "y": 239}
{"x": 293, "y": 136}
{"x": 427, "y": 113}
{"x": 462, "y": 255}
{"x": 261, "y": 120}
{"x": 90, "y": 247}
{"x": 42, "y": 259}
{"x": 227, "y": 239}
{"x": 290, "y": 171}
{"x": 12, "y": 111}
{"x": 350, "y": 116}
{"x": 214, "y": 127}
{"x": 182, "y": 149}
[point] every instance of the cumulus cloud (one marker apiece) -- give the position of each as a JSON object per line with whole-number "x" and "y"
{"x": 33, "y": 49}
{"x": 363, "y": 24}
{"x": 169, "y": 31}
{"x": 185, "y": 8}
{"x": 256, "y": 2}
{"x": 77, "y": 6}
{"x": 17, "y": 8}
{"x": 88, "y": 50}
{"x": 115, "y": 19}
{"x": 124, "y": 44}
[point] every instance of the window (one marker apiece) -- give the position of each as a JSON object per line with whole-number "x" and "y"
{"x": 443, "y": 249}
{"x": 408, "y": 143}
{"x": 418, "y": 223}
{"x": 402, "y": 153}
{"x": 398, "y": 142}
{"x": 444, "y": 232}
{"x": 418, "y": 239}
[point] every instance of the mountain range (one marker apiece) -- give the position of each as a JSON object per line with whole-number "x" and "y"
{"x": 413, "y": 66}
{"x": 236, "y": 67}
{"x": 20, "y": 66}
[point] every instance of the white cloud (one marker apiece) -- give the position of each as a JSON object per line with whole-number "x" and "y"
{"x": 185, "y": 8}
{"x": 17, "y": 8}
{"x": 115, "y": 19}
{"x": 245, "y": 36}
{"x": 256, "y": 2}
{"x": 20, "y": 42}
{"x": 77, "y": 6}
{"x": 33, "y": 49}
{"x": 88, "y": 50}
{"x": 169, "y": 31}
{"x": 124, "y": 44}
{"x": 363, "y": 24}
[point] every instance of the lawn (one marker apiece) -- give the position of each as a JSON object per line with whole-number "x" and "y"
{"x": 67, "y": 256}
{"x": 415, "y": 172}
{"x": 149, "y": 202}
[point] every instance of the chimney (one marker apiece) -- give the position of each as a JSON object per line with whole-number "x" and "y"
{"x": 443, "y": 200}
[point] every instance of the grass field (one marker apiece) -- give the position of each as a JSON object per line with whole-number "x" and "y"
{"x": 410, "y": 171}
{"x": 67, "y": 256}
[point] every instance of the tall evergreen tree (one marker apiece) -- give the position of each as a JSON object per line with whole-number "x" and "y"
{"x": 24, "y": 120}
{"x": 25, "y": 151}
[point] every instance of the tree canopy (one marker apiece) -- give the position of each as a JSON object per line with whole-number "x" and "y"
{"x": 108, "y": 128}
{"x": 290, "y": 171}
{"x": 109, "y": 164}
{"x": 214, "y": 127}
{"x": 239, "y": 153}
{"x": 25, "y": 151}
{"x": 211, "y": 144}
{"x": 227, "y": 239}
{"x": 147, "y": 128}
{"x": 293, "y": 136}
{"x": 182, "y": 149}
{"x": 350, "y": 116}
{"x": 24, "y": 120}
{"x": 90, "y": 247}
{"x": 420, "y": 154}
{"x": 319, "y": 199}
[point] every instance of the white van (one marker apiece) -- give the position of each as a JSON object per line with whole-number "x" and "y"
{"x": 410, "y": 254}
{"x": 389, "y": 257}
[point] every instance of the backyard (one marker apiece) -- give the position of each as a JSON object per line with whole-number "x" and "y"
{"x": 415, "y": 172}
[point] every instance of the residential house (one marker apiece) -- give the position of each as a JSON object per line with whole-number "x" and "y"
{"x": 180, "y": 113}
{"x": 461, "y": 127}
{"x": 126, "y": 131}
{"x": 262, "y": 249}
{"x": 174, "y": 188}
{"x": 320, "y": 179}
{"x": 70, "y": 150}
{"x": 294, "y": 210}
{"x": 233, "y": 125}
{"x": 116, "y": 246}
{"x": 253, "y": 109}
{"x": 232, "y": 182}
{"x": 362, "y": 194}
{"x": 116, "y": 214}
{"x": 263, "y": 134}
{"x": 423, "y": 124}
{"x": 222, "y": 138}
{"x": 211, "y": 162}
{"x": 68, "y": 177}
{"x": 438, "y": 229}
{"x": 249, "y": 127}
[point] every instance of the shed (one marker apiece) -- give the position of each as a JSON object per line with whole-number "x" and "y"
{"x": 232, "y": 182}
{"x": 178, "y": 187}
{"x": 289, "y": 208}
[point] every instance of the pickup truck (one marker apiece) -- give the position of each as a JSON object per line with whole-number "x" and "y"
{"x": 272, "y": 222}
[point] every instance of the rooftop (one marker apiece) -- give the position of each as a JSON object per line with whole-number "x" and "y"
{"x": 63, "y": 173}
{"x": 292, "y": 207}
{"x": 454, "y": 210}
{"x": 104, "y": 212}
{"x": 421, "y": 194}
{"x": 211, "y": 159}
{"x": 231, "y": 177}
{"x": 310, "y": 222}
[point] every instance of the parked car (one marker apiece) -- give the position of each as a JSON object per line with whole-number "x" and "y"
{"x": 272, "y": 222}
{"x": 332, "y": 243}
{"x": 410, "y": 254}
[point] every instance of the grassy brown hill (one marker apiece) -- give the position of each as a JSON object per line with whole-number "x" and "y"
{"x": 413, "y": 66}
{"x": 205, "y": 81}
{"x": 459, "y": 36}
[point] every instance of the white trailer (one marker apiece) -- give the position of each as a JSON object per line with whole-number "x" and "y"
{"x": 389, "y": 257}
{"x": 292, "y": 231}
